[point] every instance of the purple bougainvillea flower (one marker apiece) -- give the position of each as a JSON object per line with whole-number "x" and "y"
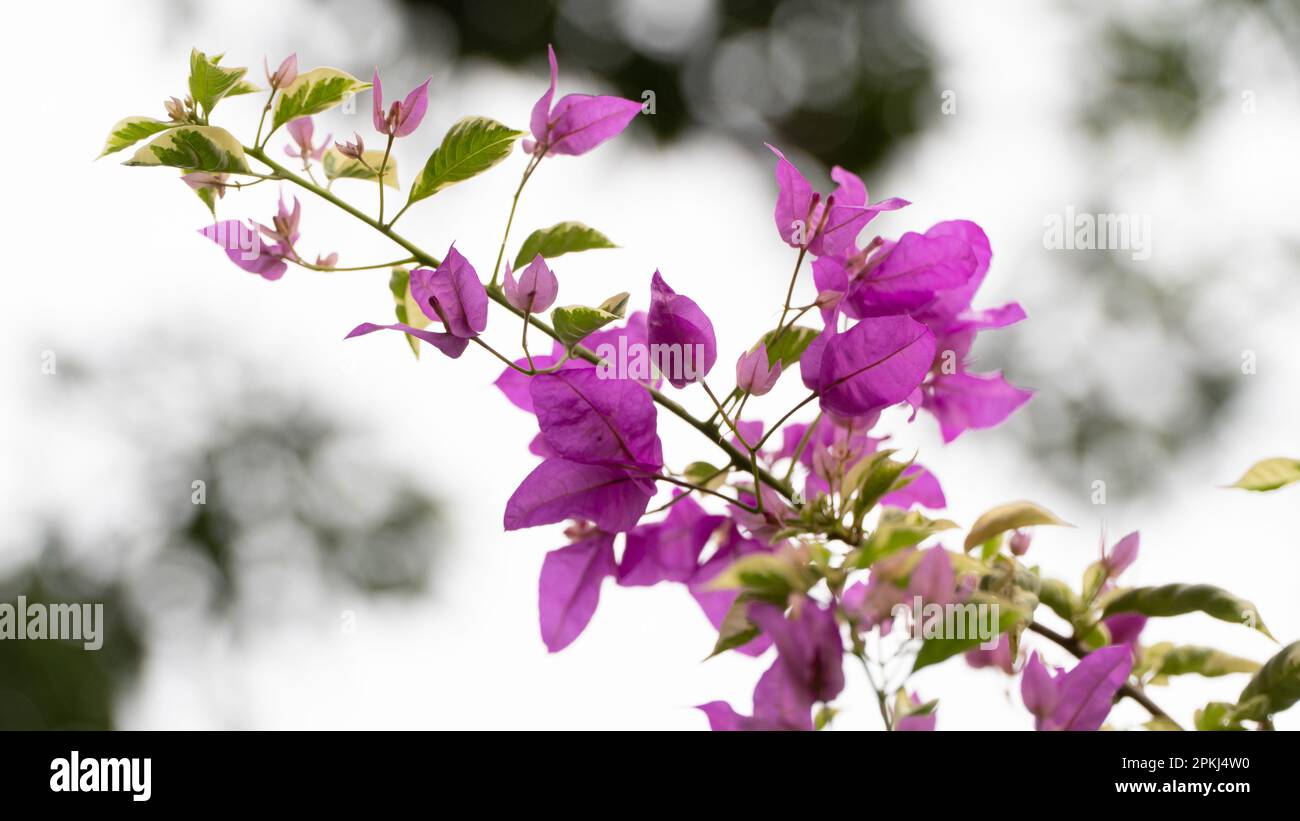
{"x": 569, "y": 588}
{"x": 827, "y": 227}
{"x": 558, "y": 489}
{"x": 878, "y": 362}
{"x": 452, "y": 346}
{"x": 668, "y": 550}
{"x": 808, "y": 646}
{"x": 753, "y": 375}
{"x": 908, "y": 274}
{"x": 924, "y": 490}
{"x": 1080, "y": 699}
{"x": 453, "y": 295}
{"x": 808, "y": 668}
{"x": 578, "y": 122}
{"x": 517, "y": 386}
{"x": 999, "y": 657}
{"x": 917, "y": 723}
{"x": 585, "y": 418}
{"x": 244, "y": 247}
{"x": 681, "y": 338}
{"x": 962, "y": 401}
{"x": 402, "y": 118}
{"x": 1123, "y": 554}
{"x": 1125, "y": 628}
{"x": 536, "y": 289}
{"x": 750, "y": 430}
{"x": 302, "y": 130}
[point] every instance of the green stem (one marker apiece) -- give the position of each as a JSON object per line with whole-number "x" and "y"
{"x": 510, "y": 220}
{"x": 383, "y": 165}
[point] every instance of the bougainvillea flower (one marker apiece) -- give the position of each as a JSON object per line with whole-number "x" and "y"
{"x": 668, "y": 550}
{"x": 924, "y": 490}
{"x": 779, "y": 704}
{"x": 286, "y": 73}
{"x": 453, "y": 295}
{"x": 1123, "y": 554}
{"x": 827, "y": 227}
{"x": 452, "y": 346}
{"x": 681, "y": 338}
{"x": 999, "y": 657}
{"x": 243, "y": 245}
{"x": 928, "y": 574}
{"x": 536, "y": 289}
{"x": 917, "y": 722}
{"x": 206, "y": 180}
{"x": 249, "y": 251}
{"x": 569, "y": 588}
{"x": 753, "y": 375}
{"x": 355, "y": 149}
{"x": 905, "y": 276}
{"x": 1125, "y": 628}
{"x": 962, "y": 401}
{"x": 558, "y": 489}
{"x": 878, "y": 362}
{"x": 585, "y": 418}
{"x": 578, "y": 122}
{"x": 808, "y": 645}
{"x": 1080, "y": 699}
{"x": 302, "y": 130}
{"x": 402, "y": 118}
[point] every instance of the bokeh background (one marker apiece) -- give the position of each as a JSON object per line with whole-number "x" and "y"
{"x": 349, "y": 570}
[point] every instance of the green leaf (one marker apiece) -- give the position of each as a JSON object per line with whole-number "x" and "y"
{"x": 208, "y": 196}
{"x": 793, "y": 342}
{"x": 895, "y": 530}
{"x": 616, "y": 305}
{"x": 934, "y": 651}
{"x": 572, "y": 323}
{"x": 405, "y": 306}
{"x": 1166, "y": 659}
{"x": 1270, "y": 474}
{"x": 736, "y": 629}
{"x": 770, "y": 577}
{"x": 561, "y": 238}
{"x": 1177, "y": 599}
{"x": 131, "y": 130}
{"x": 1010, "y": 517}
{"x": 1058, "y": 596}
{"x": 194, "y": 148}
{"x": 1217, "y": 715}
{"x": 470, "y": 147}
{"x": 879, "y": 476}
{"x": 1275, "y": 687}
{"x": 244, "y": 87}
{"x": 313, "y": 92}
{"x": 209, "y": 82}
{"x": 340, "y": 167}
{"x": 705, "y": 475}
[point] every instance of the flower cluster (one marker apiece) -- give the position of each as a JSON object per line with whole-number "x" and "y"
{"x": 810, "y": 538}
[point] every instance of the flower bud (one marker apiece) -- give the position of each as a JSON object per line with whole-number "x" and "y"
{"x": 536, "y": 289}
{"x": 285, "y": 74}
{"x": 1020, "y": 542}
{"x": 753, "y": 375}
{"x": 353, "y": 149}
